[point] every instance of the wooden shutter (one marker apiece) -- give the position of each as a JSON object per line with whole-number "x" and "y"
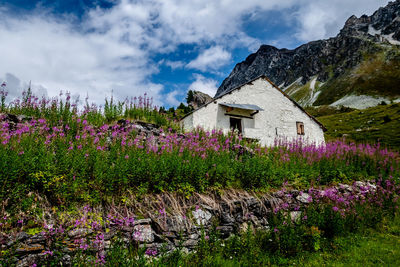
{"x": 300, "y": 128}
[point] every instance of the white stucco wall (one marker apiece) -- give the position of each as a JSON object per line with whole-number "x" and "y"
{"x": 279, "y": 112}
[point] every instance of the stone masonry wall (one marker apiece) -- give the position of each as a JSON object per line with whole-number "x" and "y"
{"x": 165, "y": 226}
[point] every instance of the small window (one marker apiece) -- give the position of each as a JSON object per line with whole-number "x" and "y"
{"x": 276, "y": 131}
{"x": 300, "y": 128}
{"x": 236, "y": 124}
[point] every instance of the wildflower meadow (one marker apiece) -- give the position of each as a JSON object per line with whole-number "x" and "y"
{"x": 99, "y": 156}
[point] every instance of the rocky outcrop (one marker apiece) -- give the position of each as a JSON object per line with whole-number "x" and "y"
{"x": 145, "y": 129}
{"x": 326, "y": 59}
{"x": 199, "y": 99}
{"x": 169, "y": 227}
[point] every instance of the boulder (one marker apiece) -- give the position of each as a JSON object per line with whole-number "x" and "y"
{"x": 201, "y": 217}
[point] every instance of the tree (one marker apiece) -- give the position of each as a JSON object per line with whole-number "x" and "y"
{"x": 190, "y": 96}
{"x": 171, "y": 110}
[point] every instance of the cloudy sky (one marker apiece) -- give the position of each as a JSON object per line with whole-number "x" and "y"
{"x": 161, "y": 47}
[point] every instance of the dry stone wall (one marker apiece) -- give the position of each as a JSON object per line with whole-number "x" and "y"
{"x": 166, "y": 229}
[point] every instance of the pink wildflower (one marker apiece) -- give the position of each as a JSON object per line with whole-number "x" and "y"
{"x": 48, "y": 252}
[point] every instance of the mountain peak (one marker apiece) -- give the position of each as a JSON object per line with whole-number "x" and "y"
{"x": 322, "y": 60}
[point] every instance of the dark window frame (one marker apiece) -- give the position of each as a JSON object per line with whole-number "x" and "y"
{"x": 233, "y": 122}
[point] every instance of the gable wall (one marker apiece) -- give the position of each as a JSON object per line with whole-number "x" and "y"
{"x": 279, "y": 112}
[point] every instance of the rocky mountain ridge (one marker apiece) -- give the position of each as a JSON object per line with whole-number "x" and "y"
{"x": 312, "y": 73}
{"x": 198, "y": 99}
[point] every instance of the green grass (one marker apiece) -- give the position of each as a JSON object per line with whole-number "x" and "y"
{"x": 303, "y": 93}
{"x": 377, "y": 75}
{"x": 374, "y": 247}
{"x": 371, "y": 247}
{"x": 326, "y": 110}
{"x": 370, "y": 125}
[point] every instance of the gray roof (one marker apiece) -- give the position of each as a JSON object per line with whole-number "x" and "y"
{"x": 242, "y": 106}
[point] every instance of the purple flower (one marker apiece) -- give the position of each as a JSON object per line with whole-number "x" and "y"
{"x": 335, "y": 208}
{"x": 285, "y": 206}
{"x": 162, "y": 211}
{"x": 101, "y": 259}
{"x": 84, "y": 246}
{"x": 151, "y": 252}
{"x": 137, "y": 235}
{"x": 48, "y": 252}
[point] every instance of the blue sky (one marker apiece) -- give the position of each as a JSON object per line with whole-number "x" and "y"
{"x": 161, "y": 47}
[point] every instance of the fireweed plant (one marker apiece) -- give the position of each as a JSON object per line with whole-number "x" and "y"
{"x": 64, "y": 109}
{"x": 74, "y": 157}
{"x": 84, "y": 163}
{"x": 330, "y": 213}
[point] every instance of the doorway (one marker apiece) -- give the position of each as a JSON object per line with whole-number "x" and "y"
{"x": 236, "y": 124}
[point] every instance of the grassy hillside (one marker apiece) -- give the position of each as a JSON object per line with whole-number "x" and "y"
{"x": 377, "y": 75}
{"x": 381, "y": 123}
{"x": 305, "y": 94}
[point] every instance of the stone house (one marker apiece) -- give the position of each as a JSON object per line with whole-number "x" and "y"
{"x": 258, "y": 110}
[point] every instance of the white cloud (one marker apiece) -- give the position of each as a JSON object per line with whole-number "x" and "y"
{"x": 319, "y": 19}
{"x": 172, "y": 98}
{"x": 13, "y": 85}
{"x": 174, "y": 64}
{"x": 205, "y": 85}
{"x": 51, "y": 53}
{"x": 113, "y": 48}
{"x": 210, "y": 59}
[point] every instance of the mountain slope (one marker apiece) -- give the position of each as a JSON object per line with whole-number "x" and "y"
{"x": 363, "y": 59}
{"x": 380, "y": 123}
